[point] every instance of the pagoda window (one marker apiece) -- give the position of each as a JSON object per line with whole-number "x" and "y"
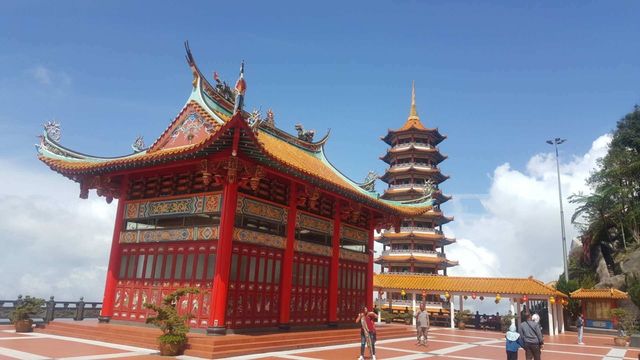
{"x": 211, "y": 266}
{"x": 157, "y": 274}
{"x": 123, "y": 266}
{"x": 313, "y": 236}
{"x": 177, "y": 275}
{"x": 172, "y": 222}
{"x": 353, "y": 245}
{"x": 260, "y": 225}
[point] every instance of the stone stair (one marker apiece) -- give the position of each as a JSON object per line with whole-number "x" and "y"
{"x": 215, "y": 347}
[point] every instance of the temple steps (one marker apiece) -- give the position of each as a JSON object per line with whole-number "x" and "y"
{"x": 214, "y": 347}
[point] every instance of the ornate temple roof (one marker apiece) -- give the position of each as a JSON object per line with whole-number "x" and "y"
{"x": 207, "y": 124}
{"x": 456, "y": 284}
{"x": 438, "y": 238}
{"x": 599, "y": 294}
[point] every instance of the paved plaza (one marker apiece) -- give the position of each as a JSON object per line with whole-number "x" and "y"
{"x": 443, "y": 344}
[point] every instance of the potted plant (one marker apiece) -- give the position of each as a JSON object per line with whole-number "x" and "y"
{"x": 21, "y": 316}
{"x": 506, "y": 321}
{"x": 461, "y": 318}
{"x": 626, "y": 326}
{"x": 387, "y": 316}
{"x": 174, "y": 327}
{"x": 408, "y": 317}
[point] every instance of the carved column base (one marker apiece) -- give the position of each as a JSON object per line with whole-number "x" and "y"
{"x": 332, "y": 324}
{"x": 217, "y": 330}
{"x": 104, "y": 319}
{"x": 284, "y": 326}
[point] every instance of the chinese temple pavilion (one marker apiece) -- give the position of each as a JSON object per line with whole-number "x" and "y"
{"x": 225, "y": 201}
{"x": 414, "y": 175}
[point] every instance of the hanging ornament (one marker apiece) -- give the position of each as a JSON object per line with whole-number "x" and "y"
{"x": 498, "y": 298}
{"x": 552, "y": 300}
{"x": 447, "y": 295}
{"x": 424, "y": 293}
{"x": 481, "y": 297}
{"x": 473, "y": 296}
{"x": 496, "y": 301}
{"x": 465, "y": 297}
{"x": 525, "y": 298}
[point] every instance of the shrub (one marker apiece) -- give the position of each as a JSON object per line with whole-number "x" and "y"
{"x": 173, "y": 326}
{"x": 29, "y": 307}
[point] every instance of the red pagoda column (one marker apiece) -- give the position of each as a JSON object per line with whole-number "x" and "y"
{"x": 335, "y": 266}
{"x": 369, "y": 285}
{"x": 217, "y": 324}
{"x": 287, "y": 261}
{"x": 114, "y": 258}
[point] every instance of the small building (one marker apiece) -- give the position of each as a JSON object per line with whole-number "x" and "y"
{"x": 225, "y": 201}
{"x": 522, "y": 294}
{"x": 596, "y": 305}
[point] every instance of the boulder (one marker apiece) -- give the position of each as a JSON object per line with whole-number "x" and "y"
{"x": 631, "y": 263}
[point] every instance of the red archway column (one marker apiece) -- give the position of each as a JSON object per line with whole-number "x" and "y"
{"x": 287, "y": 261}
{"x": 369, "y": 285}
{"x": 217, "y": 324}
{"x": 114, "y": 258}
{"x": 335, "y": 266}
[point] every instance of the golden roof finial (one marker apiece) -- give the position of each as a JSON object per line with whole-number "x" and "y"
{"x": 413, "y": 114}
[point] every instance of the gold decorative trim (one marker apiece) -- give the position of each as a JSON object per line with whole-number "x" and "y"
{"x": 311, "y": 248}
{"x": 258, "y": 238}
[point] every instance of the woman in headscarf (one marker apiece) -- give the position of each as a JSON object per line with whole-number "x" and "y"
{"x": 514, "y": 342}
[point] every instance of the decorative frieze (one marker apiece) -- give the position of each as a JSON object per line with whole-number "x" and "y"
{"x": 311, "y": 248}
{"x": 258, "y": 238}
{"x": 314, "y": 223}
{"x": 209, "y": 203}
{"x": 262, "y": 210}
{"x": 353, "y": 256}
{"x": 182, "y": 234}
{"x": 351, "y": 233}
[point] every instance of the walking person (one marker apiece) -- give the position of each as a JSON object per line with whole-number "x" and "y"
{"x": 531, "y": 337}
{"x": 367, "y": 332}
{"x": 514, "y": 342}
{"x": 580, "y": 326}
{"x": 422, "y": 325}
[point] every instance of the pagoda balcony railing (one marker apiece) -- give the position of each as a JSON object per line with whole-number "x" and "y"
{"x": 414, "y": 164}
{"x": 406, "y": 186}
{"x": 414, "y": 144}
{"x": 420, "y": 229}
{"x": 413, "y": 251}
{"x": 410, "y": 273}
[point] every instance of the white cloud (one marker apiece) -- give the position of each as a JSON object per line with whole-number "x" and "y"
{"x": 52, "y": 242}
{"x": 50, "y": 78}
{"x": 518, "y": 233}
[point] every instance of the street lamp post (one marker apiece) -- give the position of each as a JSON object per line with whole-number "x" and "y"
{"x": 555, "y": 142}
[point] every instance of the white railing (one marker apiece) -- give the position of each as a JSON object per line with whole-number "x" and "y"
{"x": 414, "y": 164}
{"x": 415, "y": 144}
{"x": 409, "y": 273}
{"x": 414, "y": 251}
{"x": 420, "y": 229}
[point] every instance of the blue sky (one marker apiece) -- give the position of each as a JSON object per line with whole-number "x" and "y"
{"x": 497, "y": 77}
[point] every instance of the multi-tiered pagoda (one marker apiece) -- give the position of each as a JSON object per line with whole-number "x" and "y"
{"x": 413, "y": 174}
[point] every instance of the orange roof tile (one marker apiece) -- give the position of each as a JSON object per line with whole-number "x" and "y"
{"x": 454, "y": 284}
{"x": 595, "y": 294}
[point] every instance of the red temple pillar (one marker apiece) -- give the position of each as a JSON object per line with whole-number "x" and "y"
{"x": 335, "y": 267}
{"x": 287, "y": 261}
{"x": 114, "y": 259}
{"x": 217, "y": 324}
{"x": 369, "y": 287}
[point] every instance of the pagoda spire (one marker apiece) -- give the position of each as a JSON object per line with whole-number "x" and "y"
{"x": 413, "y": 113}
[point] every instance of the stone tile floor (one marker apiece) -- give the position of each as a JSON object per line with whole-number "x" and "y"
{"x": 443, "y": 344}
